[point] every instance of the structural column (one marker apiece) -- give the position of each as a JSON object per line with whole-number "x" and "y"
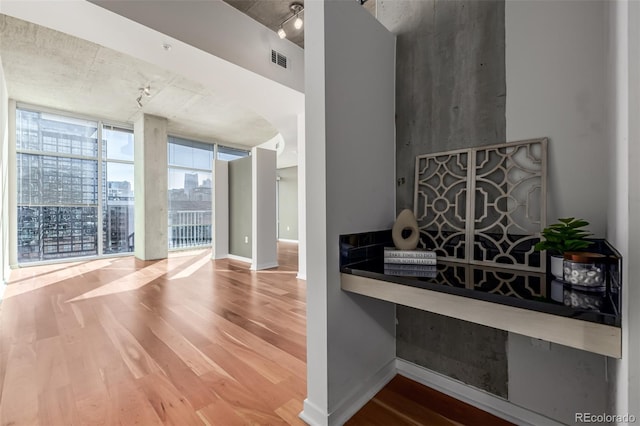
{"x": 263, "y": 177}
{"x": 150, "y": 186}
{"x": 220, "y": 209}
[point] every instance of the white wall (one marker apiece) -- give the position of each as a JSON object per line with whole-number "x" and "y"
{"x": 556, "y": 87}
{"x": 4, "y": 180}
{"x": 302, "y": 200}
{"x": 350, "y": 187}
{"x": 624, "y": 193}
{"x": 555, "y": 71}
{"x": 220, "y": 209}
{"x": 263, "y": 217}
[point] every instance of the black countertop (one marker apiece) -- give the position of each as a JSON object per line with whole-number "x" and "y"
{"x": 362, "y": 255}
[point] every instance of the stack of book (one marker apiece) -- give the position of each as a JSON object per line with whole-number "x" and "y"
{"x": 410, "y": 263}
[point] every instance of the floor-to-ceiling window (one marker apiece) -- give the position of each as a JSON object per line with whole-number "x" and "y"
{"x": 117, "y": 190}
{"x": 74, "y": 189}
{"x": 190, "y": 186}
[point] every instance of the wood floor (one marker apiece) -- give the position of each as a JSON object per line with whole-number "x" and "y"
{"x": 404, "y": 402}
{"x": 182, "y": 341}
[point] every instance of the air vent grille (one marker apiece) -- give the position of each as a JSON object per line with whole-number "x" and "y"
{"x": 278, "y": 59}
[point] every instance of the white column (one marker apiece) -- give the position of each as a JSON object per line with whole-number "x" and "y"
{"x": 151, "y": 183}
{"x": 350, "y": 188}
{"x": 220, "y": 209}
{"x": 264, "y": 250}
{"x": 302, "y": 203}
{"x": 13, "y": 188}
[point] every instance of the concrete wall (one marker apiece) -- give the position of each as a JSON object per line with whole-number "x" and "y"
{"x": 450, "y": 79}
{"x": 350, "y": 188}
{"x": 264, "y": 250}
{"x": 288, "y": 203}
{"x": 471, "y": 353}
{"x": 4, "y": 180}
{"x": 150, "y": 178}
{"x": 624, "y": 193}
{"x": 450, "y": 84}
{"x": 240, "y": 234}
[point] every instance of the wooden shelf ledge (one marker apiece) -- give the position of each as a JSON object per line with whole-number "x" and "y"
{"x": 593, "y": 337}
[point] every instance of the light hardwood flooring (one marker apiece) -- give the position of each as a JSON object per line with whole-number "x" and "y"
{"x": 182, "y": 341}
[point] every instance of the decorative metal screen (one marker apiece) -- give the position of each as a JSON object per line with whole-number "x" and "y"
{"x": 484, "y": 205}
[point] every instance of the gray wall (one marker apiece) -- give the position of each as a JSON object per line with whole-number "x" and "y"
{"x": 240, "y": 238}
{"x": 450, "y": 94}
{"x": 349, "y": 164}
{"x": 476, "y": 73}
{"x": 556, "y": 87}
{"x": 288, "y": 203}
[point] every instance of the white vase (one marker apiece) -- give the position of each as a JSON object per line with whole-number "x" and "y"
{"x": 556, "y": 266}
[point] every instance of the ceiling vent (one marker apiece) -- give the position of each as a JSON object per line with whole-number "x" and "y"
{"x": 278, "y": 59}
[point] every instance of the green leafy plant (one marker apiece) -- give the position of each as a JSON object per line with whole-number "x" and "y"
{"x": 567, "y": 235}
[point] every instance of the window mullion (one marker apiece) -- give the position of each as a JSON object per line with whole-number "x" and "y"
{"x": 101, "y": 194}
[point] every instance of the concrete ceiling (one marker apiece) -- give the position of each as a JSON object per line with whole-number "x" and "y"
{"x": 271, "y": 13}
{"x": 46, "y": 67}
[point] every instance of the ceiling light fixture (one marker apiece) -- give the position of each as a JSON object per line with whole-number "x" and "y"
{"x": 146, "y": 90}
{"x": 296, "y": 9}
{"x": 143, "y": 91}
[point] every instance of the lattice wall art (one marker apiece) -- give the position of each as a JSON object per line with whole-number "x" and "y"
{"x": 484, "y": 205}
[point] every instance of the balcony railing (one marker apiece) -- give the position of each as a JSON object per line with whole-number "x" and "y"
{"x": 189, "y": 228}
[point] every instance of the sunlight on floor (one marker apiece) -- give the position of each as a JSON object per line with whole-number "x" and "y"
{"x": 53, "y": 277}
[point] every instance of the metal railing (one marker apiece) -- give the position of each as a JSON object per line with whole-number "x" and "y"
{"x": 189, "y": 228}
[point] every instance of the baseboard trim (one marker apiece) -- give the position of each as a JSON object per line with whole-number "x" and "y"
{"x": 478, "y": 398}
{"x": 312, "y": 415}
{"x": 362, "y": 394}
{"x": 239, "y": 258}
{"x": 284, "y": 240}
{"x": 301, "y": 276}
{"x": 261, "y": 266}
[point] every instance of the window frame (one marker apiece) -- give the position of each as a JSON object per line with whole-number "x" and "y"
{"x": 99, "y": 158}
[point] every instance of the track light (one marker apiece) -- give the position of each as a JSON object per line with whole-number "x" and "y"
{"x": 143, "y": 91}
{"x": 296, "y": 9}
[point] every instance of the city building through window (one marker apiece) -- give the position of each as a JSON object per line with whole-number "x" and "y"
{"x": 190, "y": 193}
{"x": 75, "y": 187}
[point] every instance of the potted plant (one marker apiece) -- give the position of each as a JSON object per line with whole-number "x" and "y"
{"x": 567, "y": 235}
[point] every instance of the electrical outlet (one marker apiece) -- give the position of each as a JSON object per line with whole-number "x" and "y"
{"x": 246, "y": 239}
